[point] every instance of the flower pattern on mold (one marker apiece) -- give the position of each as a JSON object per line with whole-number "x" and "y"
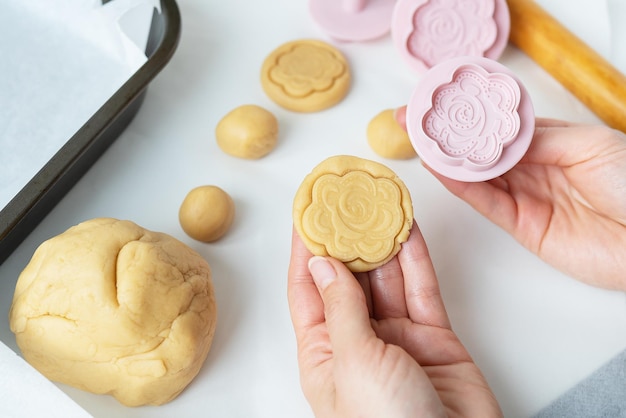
{"x": 306, "y": 69}
{"x": 354, "y": 216}
{"x": 475, "y": 116}
{"x": 443, "y": 29}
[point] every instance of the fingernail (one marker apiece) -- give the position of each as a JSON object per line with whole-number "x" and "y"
{"x": 322, "y": 271}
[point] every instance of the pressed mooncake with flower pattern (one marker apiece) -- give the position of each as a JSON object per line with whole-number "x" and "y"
{"x": 306, "y": 75}
{"x": 355, "y": 210}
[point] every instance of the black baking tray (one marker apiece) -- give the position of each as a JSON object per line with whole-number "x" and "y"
{"x": 26, "y": 210}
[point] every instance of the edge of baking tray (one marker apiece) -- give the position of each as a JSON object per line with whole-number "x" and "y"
{"x": 28, "y": 208}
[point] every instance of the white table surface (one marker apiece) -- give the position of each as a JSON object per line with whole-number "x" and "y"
{"x": 532, "y": 330}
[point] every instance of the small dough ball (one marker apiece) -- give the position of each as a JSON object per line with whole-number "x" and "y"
{"x": 248, "y": 131}
{"x": 387, "y": 138}
{"x": 112, "y": 308}
{"x": 207, "y": 213}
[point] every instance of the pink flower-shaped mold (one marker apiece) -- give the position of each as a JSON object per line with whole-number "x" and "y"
{"x": 427, "y": 32}
{"x": 353, "y": 20}
{"x": 470, "y": 119}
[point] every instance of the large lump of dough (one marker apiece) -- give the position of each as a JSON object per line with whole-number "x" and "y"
{"x": 110, "y": 307}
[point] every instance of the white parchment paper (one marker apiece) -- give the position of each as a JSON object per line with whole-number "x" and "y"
{"x": 61, "y": 60}
{"x": 19, "y": 381}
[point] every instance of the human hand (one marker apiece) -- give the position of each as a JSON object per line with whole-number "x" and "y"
{"x": 565, "y": 200}
{"x": 380, "y": 345}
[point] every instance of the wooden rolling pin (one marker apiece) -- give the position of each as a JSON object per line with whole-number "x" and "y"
{"x": 584, "y": 72}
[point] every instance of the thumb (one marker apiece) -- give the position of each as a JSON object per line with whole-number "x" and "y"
{"x": 400, "y": 115}
{"x": 345, "y": 307}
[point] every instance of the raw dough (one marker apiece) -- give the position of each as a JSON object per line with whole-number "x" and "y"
{"x": 207, "y": 213}
{"x": 306, "y": 75}
{"x": 387, "y": 138}
{"x": 248, "y": 131}
{"x": 110, "y": 307}
{"x": 355, "y": 210}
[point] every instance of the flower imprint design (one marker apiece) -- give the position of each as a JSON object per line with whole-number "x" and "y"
{"x": 475, "y": 116}
{"x": 306, "y": 69}
{"x": 355, "y": 216}
{"x": 445, "y": 29}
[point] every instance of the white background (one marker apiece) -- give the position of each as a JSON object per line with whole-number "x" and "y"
{"x": 533, "y": 331}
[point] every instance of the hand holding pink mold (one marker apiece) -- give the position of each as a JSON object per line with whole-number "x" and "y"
{"x": 428, "y": 32}
{"x": 470, "y": 119}
{"x": 353, "y": 20}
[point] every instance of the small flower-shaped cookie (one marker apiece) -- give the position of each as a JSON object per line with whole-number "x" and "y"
{"x": 305, "y": 76}
{"x": 355, "y": 210}
{"x": 306, "y": 69}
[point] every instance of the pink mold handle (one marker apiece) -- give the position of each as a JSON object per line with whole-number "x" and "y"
{"x": 427, "y": 32}
{"x": 470, "y": 119}
{"x": 353, "y": 20}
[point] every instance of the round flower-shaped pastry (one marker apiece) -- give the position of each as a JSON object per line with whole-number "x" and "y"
{"x": 306, "y": 76}
{"x": 470, "y": 119}
{"x": 355, "y": 210}
{"x": 428, "y": 32}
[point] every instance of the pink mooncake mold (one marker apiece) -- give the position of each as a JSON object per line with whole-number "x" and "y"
{"x": 353, "y": 20}
{"x": 470, "y": 119}
{"x": 427, "y": 32}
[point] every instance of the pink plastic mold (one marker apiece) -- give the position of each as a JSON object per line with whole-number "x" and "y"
{"x": 470, "y": 119}
{"x": 353, "y": 20}
{"x": 427, "y": 32}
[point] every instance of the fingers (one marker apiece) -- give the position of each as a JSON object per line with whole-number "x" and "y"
{"x": 555, "y": 143}
{"x": 387, "y": 291}
{"x": 569, "y": 144}
{"x": 555, "y": 123}
{"x": 492, "y": 199}
{"x": 423, "y": 298}
{"x": 407, "y": 286}
{"x": 305, "y": 303}
{"x": 364, "y": 280}
{"x": 347, "y": 318}
{"x": 400, "y": 115}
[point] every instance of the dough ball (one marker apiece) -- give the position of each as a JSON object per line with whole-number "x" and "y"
{"x": 355, "y": 210}
{"x": 306, "y": 75}
{"x": 387, "y": 138}
{"x": 207, "y": 213}
{"x": 112, "y": 308}
{"x": 248, "y": 131}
